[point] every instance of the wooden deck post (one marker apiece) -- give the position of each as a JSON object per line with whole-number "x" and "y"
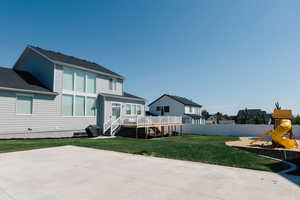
{"x": 136, "y": 132}
{"x": 175, "y": 130}
{"x": 181, "y": 130}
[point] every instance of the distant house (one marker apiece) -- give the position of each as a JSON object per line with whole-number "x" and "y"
{"x": 253, "y": 116}
{"x": 214, "y": 120}
{"x": 170, "y": 105}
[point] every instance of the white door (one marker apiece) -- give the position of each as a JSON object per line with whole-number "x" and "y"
{"x": 115, "y": 110}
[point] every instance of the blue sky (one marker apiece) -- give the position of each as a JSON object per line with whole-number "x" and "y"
{"x": 223, "y": 54}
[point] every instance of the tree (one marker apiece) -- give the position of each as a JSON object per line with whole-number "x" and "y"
{"x": 219, "y": 117}
{"x": 296, "y": 120}
{"x": 260, "y": 119}
{"x": 277, "y": 106}
{"x": 245, "y": 117}
{"x": 205, "y": 114}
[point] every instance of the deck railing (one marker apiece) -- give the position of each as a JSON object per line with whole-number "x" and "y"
{"x": 150, "y": 120}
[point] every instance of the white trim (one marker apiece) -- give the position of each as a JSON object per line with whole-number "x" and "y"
{"x": 131, "y": 109}
{"x": 88, "y": 70}
{"x": 122, "y": 97}
{"x": 28, "y": 91}
{"x": 54, "y": 77}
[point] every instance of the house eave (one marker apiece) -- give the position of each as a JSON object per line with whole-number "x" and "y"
{"x": 122, "y": 97}
{"x": 88, "y": 70}
{"x": 27, "y": 91}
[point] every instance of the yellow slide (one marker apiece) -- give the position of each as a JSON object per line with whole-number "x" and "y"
{"x": 278, "y": 135}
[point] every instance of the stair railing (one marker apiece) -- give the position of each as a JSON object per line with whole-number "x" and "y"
{"x": 115, "y": 125}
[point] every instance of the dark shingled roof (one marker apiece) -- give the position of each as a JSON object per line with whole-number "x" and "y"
{"x": 125, "y": 94}
{"x": 182, "y": 100}
{"x": 14, "y": 79}
{"x": 59, "y": 57}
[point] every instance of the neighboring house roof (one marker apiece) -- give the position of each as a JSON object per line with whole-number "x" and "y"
{"x": 194, "y": 116}
{"x": 182, "y": 100}
{"x": 59, "y": 57}
{"x": 11, "y": 79}
{"x": 124, "y": 96}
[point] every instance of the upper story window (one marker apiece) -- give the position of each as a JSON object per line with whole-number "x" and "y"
{"x": 91, "y": 83}
{"x": 24, "y": 105}
{"x": 158, "y": 108}
{"x": 68, "y": 79}
{"x": 166, "y": 108}
{"x": 113, "y": 84}
{"x": 191, "y": 109}
{"x": 79, "y": 81}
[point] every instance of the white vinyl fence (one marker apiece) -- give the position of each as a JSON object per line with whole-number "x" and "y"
{"x": 241, "y": 130}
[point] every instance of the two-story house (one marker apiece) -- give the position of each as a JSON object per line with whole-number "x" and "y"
{"x": 49, "y": 91}
{"x": 170, "y": 105}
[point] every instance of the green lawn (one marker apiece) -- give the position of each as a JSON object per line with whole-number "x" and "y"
{"x": 206, "y": 149}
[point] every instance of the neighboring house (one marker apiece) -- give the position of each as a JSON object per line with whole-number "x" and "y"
{"x": 253, "y": 116}
{"x": 213, "y": 120}
{"x": 49, "y": 91}
{"x": 170, "y": 105}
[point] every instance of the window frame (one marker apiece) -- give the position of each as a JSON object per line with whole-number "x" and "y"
{"x": 74, "y": 93}
{"x": 168, "y": 109}
{"x": 84, "y": 106}
{"x": 86, "y": 110}
{"x": 112, "y": 84}
{"x": 73, "y": 101}
{"x": 16, "y": 104}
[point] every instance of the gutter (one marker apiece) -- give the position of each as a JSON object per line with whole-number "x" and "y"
{"x": 122, "y": 97}
{"x": 28, "y": 91}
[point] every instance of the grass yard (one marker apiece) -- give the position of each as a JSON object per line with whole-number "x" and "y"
{"x": 206, "y": 149}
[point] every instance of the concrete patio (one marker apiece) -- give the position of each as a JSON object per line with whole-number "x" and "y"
{"x": 76, "y": 173}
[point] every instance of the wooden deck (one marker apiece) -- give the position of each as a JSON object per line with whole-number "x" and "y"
{"x": 156, "y": 124}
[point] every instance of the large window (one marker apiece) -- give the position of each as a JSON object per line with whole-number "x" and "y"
{"x": 80, "y": 82}
{"x": 67, "y": 105}
{"x": 133, "y": 109}
{"x": 91, "y": 106}
{"x": 79, "y": 98}
{"x": 79, "y": 106}
{"x": 24, "y": 105}
{"x": 139, "y": 109}
{"x": 128, "y": 109}
{"x": 113, "y": 84}
{"x": 166, "y": 108}
{"x": 68, "y": 81}
{"x": 91, "y": 83}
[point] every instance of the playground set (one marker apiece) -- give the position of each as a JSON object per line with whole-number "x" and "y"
{"x": 282, "y": 143}
{"x": 282, "y": 127}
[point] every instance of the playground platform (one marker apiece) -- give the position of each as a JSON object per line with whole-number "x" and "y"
{"x": 265, "y": 148}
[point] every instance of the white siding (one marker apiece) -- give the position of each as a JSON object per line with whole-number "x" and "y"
{"x": 108, "y": 102}
{"x": 176, "y": 108}
{"x": 195, "y": 110}
{"x": 103, "y": 86}
{"x": 46, "y": 116}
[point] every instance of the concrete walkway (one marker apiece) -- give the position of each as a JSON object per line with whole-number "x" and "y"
{"x": 75, "y": 173}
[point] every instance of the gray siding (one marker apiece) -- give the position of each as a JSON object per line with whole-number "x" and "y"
{"x": 39, "y": 66}
{"x": 108, "y": 102}
{"x": 46, "y": 116}
{"x": 103, "y": 85}
{"x": 176, "y": 108}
